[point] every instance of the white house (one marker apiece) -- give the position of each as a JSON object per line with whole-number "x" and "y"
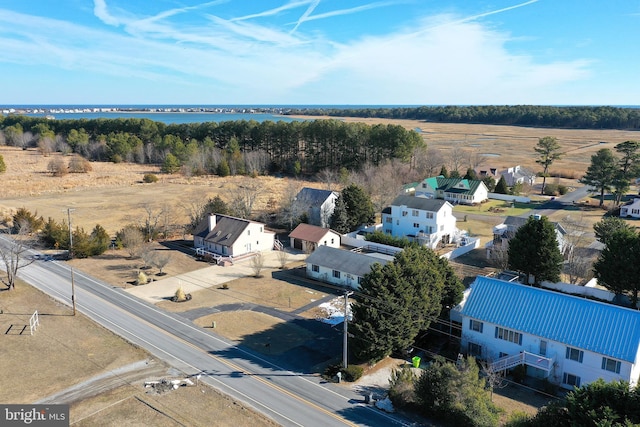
{"x": 503, "y": 232}
{"x": 228, "y": 236}
{"x": 518, "y": 175}
{"x": 307, "y": 237}
{"x": 341, "y": 267}
{"x": 454, "y": 190}
{"x": 569, "y": 340}
{"x": 317, "y": 204}
{"x": 427, "y": 221}
{"x": 631, "y": 209}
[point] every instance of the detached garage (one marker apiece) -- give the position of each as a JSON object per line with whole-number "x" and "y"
{"x": 307, "y": 238}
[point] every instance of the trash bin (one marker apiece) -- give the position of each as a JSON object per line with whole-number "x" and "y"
{"x": 416, "y": 361}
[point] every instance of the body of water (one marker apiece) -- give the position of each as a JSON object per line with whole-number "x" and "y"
{"x": 171, "y": 114}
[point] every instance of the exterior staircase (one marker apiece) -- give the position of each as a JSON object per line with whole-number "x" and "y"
{"x": 523, "y": 358}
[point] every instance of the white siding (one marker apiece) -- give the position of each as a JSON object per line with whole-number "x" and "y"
{"x": 325, "y": 274}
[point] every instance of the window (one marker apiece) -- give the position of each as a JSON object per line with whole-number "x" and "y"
{"x": 474, "y": 349}
{"x": 429, "y": 215}
{"x": 397, "y": 222}
{"x": 543, "y": 348}
{"x": 416, "y": 225}
{"x": 336, "y": 274}
{"x": 388, "y": 219}
{"x": 571, "y": 379}
{"x": 359, "y": 280}
{"x": 248, "y": 232}
{"x": 474, "y": 325}
{"x": 325, "y": 243}
{"x": 611, "y": 365}
{"x": 507, "y": 335}
{"x": 415, "y": 213}
{"x": 315, "y": 268}
{"x": 574, "y": 354}
{"x": 442, "y": 228}
{"x": 332, "y": 241}
{"x": 404, "y": 213}
{"x": 424, "y": 185}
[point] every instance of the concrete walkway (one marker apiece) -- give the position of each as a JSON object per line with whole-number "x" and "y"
{"x": 203, "y": 278}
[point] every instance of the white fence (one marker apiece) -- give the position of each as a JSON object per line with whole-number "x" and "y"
{"x": 34, "y": 322}
{"x": 509, "y": 198}
{"x": 580, "y": 290}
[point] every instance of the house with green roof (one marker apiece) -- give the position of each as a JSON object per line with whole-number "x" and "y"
{"x": 453, "y": 190}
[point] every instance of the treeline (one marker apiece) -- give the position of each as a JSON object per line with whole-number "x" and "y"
{"x": 515, "y": 115}
{"x": 246, "y": 146}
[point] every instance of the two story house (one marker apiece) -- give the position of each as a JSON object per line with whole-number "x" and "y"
{"x": 318, "y": 205}
{"x": 426, "y": 221}
{"x": 453, "y": 190}
{"x": 227, "y": 236}
{"x": 569, "y": 340}
{"x": 518, "y": 175}
{"x": 503, "y": 232}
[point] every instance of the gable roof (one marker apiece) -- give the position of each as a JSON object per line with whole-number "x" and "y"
{"x": 226, "y": 231}
{"x": 313, "y": 196}
{"x": 420, "y": 203}
{"x": 578, "y": 322}
{"x": 450, "y": 185}
{"x": 354, "y": 263}
{"x": 310, "y": 233}
{"x": 518, "y": 221}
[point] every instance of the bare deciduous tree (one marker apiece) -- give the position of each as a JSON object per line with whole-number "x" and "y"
{"x": 457, "y": 158}
{"x": 291, "y": 209}
{"x": 244, "y": 197}
{"x": 57, "y": 167}
{"x": 578, "y": 262}
{"x": 475, "y": 158}
{"x": 14, "y": 253}
{"x": 499, "y": 255}
{"x": 150, "y": 221}
{"x": 283, "y": 258}
{"x": 329, "y": 178}
{"x": 160, "y": 261}
{"x": 132, "y": 240}
{"x": 428, "y": 161}
{"x": 495, "y": 379}
{"x": 257, "y": 264}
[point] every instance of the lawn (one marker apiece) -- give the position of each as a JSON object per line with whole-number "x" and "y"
{"x": 498, "y": 208}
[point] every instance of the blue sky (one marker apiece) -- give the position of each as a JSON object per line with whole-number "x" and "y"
{"x": 400, "y": 52}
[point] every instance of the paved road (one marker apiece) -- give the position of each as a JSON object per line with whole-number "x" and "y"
{"x": 290, "y": 398}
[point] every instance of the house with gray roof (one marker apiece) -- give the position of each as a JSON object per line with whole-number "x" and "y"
{"x": 569, "y": 340}
{"x": 426, "y": 221}
{"x": 518, "y": 175}
{"x": 227, "y": 236}
{"x": 341, "y": 267}
{"x": 503, "y": 232}
{"x": 317, "y": 204}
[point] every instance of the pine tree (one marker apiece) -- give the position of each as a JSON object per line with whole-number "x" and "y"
{"x": 359, "y": 207}
{"x": 501, "y": 186}
{"x": 471, "y": 174}
{"x": 617, "y": 267}
{"x": 171, "y": 164}
{"x": 444, "y": 172}
{"x": 223, "y": 168}
{"x": 534, "y": 250}
{"x": 400, "y": 300}
{"x": 602, "y": 172}
{"x": 339, "y": 221}
{"x": 3, "y": 167}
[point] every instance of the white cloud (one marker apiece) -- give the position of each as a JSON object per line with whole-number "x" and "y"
{"x": 438, "y": 59}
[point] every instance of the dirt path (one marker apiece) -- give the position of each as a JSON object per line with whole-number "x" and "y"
{"x": 124, "y": 375}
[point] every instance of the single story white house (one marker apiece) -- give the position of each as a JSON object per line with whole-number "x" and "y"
{"x": 569, "y": 340}
{"x": 630, "y": 209}
{"x": 341, "y": 267}
{"x": 426, "y": 221}
{"x": 307, "y": 237}
{"x": 227, "y": 236}
{"x": 453, "y": 190}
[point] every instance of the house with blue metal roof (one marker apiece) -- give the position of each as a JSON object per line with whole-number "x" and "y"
{"x": 569, "y": 340}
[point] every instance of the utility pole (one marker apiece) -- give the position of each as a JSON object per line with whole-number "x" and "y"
{"x": 70, "y": 254}
{"x": 345, "y": 333}
{"x": 73, "y": 292}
